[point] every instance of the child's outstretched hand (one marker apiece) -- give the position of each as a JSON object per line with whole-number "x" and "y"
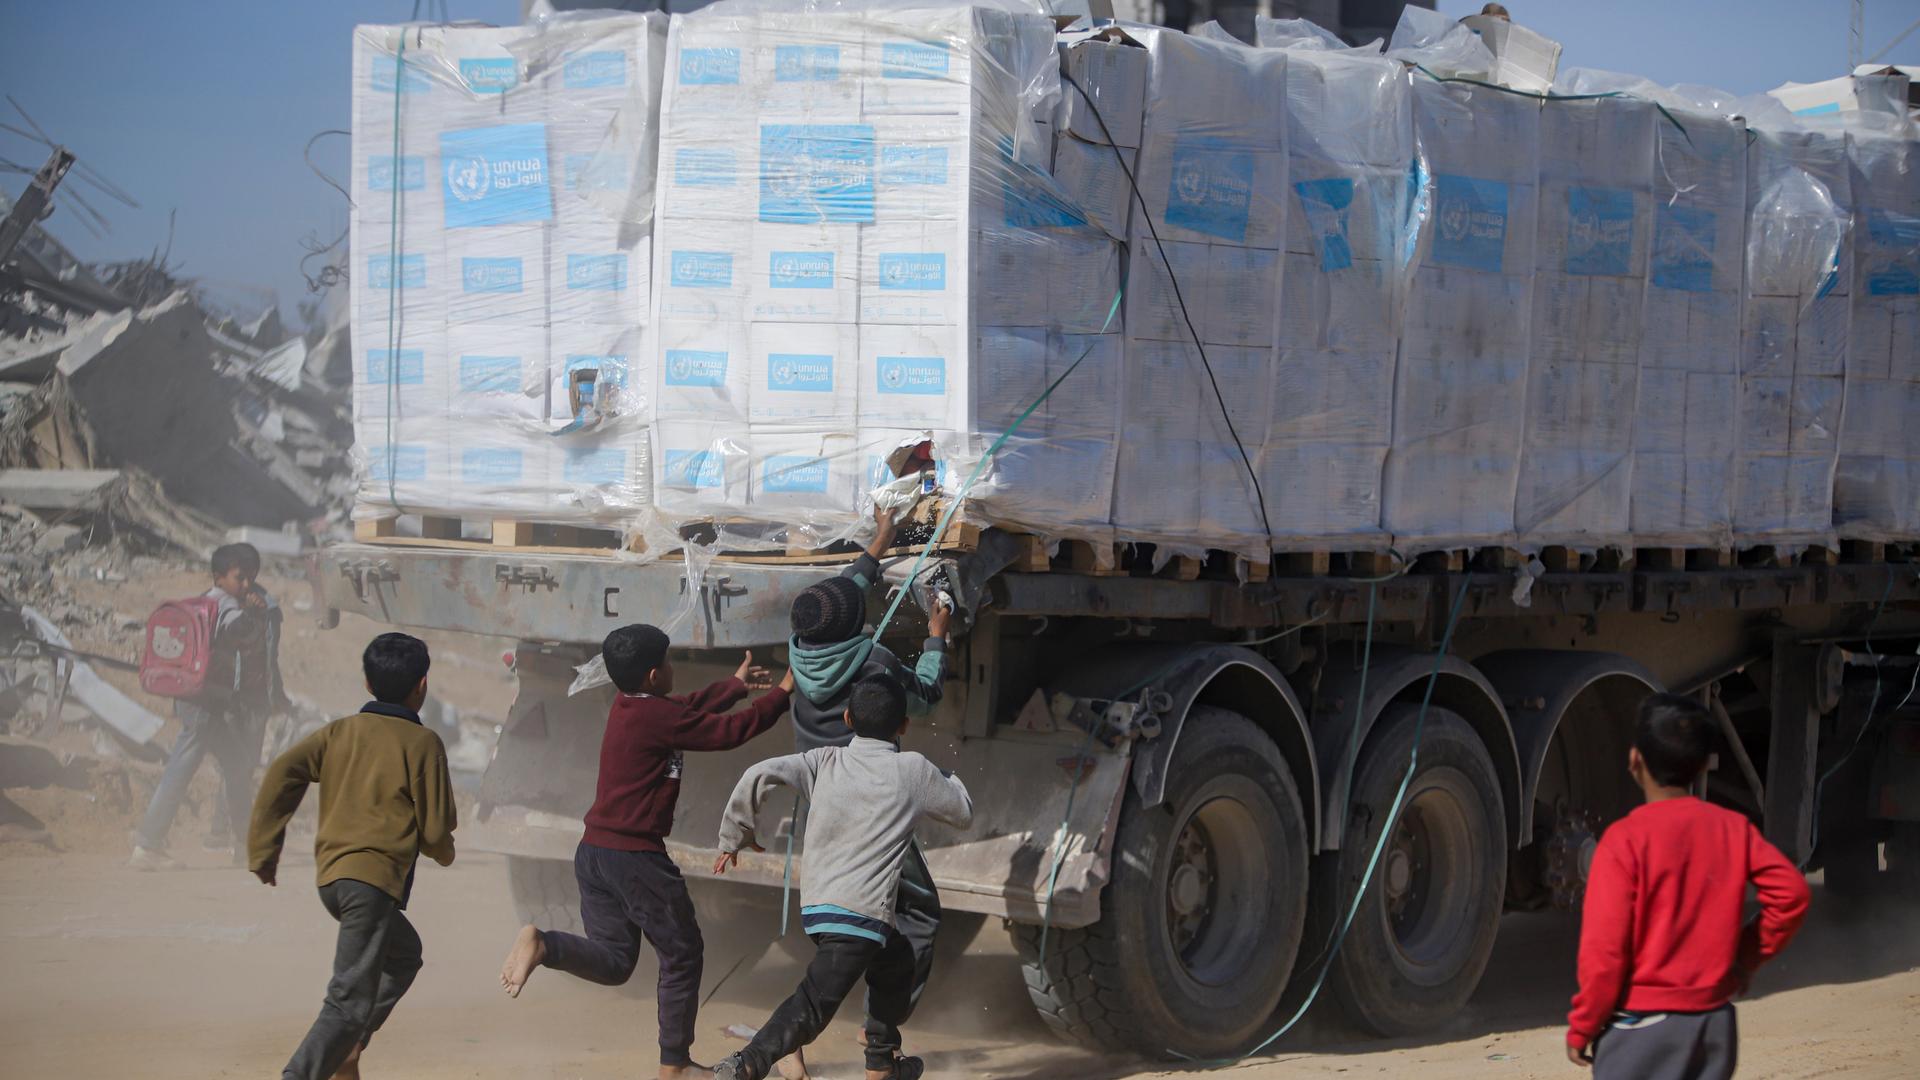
{"x": 756, "y": 678}
{"x": 732, "y": 858}
{"x": 883, "y": 530}
{"x": 939, "y": 621}
{"x": 786, "y": 681}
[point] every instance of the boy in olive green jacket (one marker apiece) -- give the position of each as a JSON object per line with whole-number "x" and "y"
{"x": 385, "y": 799}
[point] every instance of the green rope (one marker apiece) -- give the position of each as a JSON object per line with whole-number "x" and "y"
{"x": 946, "y": 518}
{"x": 940, "y": 529}
{"x": 1551, "y": 96}
{"x": 393, "y": 273}
{"x": 1386, "y": 828}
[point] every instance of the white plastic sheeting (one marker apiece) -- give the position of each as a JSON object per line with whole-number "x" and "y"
{"x": 502, "y": 188}
{"x": 861, "y": 244}
{"x": 1877, "y": 483}
{"x": 788, "y": 239}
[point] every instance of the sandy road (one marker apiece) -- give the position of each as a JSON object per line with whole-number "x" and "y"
{"x": 202, "y": 973}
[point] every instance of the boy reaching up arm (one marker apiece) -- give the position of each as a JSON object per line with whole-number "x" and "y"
{"x": 629, "y": 886}
{"x": 865, "y": 800}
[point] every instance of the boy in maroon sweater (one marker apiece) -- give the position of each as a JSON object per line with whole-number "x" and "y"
{"x": 1662, "y": 947}
{"x": 629, "y": 887}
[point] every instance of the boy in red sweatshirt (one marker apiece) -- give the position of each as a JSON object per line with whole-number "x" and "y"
{"x": 1662, "y": 947}
{"x": 629, "y": 887}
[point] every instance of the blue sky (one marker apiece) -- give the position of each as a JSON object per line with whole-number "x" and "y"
{"x": 204, "y": 109}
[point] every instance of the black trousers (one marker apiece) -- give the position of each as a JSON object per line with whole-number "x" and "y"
{"x": 1669, "y": 1046}
{"x": 916, "y": 914}
{"x": 840, "y": 961}
{"x": 625, "y": 896}
{"x": 374, "y": 961}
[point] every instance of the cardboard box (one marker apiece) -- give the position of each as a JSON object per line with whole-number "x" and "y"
{"x": 1522, "y": 58}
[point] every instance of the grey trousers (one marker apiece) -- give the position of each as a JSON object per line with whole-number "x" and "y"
{"x": 204, "y": 731}
{"x": 374, "y": 961}
{"x": 1669, "y": 1046}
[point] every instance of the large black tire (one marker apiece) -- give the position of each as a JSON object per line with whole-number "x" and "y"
{"x": 1200, "y": 924}
{"x": 1420, "y": 940}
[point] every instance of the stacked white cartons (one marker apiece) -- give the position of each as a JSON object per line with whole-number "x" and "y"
{"x": 502, "y": 189}
{"x": 854, "y": 222}
{"x": 1591, "y": 253}
{"x": 1794, "y": 340}
{"x": 1097, "y": 127}
{"x": 602, "y": 84}
{"x": 400, "y": 279}
{"x": 1684, "y": 427}
{"x": 1877, "y": 486}
{"x": 1461, "y": 379}
{"x": 1350, "y": 150}
{"x": 1205, "y": 265}
{"x": 1045, "y": 288}
{"x": 497, "y": 185}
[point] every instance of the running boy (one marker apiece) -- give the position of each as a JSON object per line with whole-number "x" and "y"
{"x": 1662, "y": 948}
{"x": 829, "y": 653}
{"x": 385, "y": 800}
{"x": 629, "y": 887}
{"x": 865, "y": 799}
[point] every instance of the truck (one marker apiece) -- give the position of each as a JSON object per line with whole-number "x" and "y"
{"x": 1181, "y": 775}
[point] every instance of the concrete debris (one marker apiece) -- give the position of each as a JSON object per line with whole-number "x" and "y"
{"x": 129, "y": 388}
{"x": 59, "y": 539}
{"x": 55, "y": 489}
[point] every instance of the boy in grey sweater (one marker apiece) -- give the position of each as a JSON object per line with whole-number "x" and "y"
{"x": 865, "y": 799}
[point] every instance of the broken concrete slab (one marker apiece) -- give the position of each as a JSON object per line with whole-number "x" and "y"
{"x": 269, "y": 542}
{"x": 55, "y": 489}
{"x": 114, "y": 708}
{"x": 59, "y": 539}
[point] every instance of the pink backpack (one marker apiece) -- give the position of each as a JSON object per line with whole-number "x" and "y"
{"x": 179, "y": 649}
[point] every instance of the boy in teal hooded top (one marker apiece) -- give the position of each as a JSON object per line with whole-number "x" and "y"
{"x": 828, "y": 654}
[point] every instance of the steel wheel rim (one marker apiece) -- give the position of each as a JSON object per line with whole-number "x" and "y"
{"x": 1428, "y": 877}
{"x": 1217, "y": 869}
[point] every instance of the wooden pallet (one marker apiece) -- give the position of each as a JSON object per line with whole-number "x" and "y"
{"x": 495, "y": 534}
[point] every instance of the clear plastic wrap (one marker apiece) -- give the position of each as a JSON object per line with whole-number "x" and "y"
{"x": 1796, "y": 318}
{"x": 1459, "y": 406}
{"x": 862, "y": 244}
{"x": 1877, "y": 482}
{"x": 1590, "y": 281}
{"x": 502, "y": 188}
{"x": 1214, "y": 184}
{"x": 1350, "y": 152}
{"x": 1684, "y": 427}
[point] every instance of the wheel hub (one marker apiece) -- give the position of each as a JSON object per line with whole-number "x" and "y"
{"x": 1399, "y": 873}
{"x": 1215, "y": 881}
{"x": 1188, "y": 884}
{"x": 1570, "y": 856}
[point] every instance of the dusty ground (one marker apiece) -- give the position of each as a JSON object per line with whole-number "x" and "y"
{"x": 203, "y": 973}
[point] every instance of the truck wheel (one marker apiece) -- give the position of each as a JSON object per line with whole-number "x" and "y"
{"x": 1199, "y": 926}
{"x": 1420, "y": 940}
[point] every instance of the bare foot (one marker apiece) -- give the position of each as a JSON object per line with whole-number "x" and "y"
{"x": 793, "y": 1066}
{"x": 684, "y": 1072}
{"x": 529, "y": 949}
{"x": 350, "y": 1068}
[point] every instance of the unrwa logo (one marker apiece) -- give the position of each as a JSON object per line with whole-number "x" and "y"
{"x": 469, "y": 177}
{"x": 1190, "y": 181}
{"x": 1456, "y": 219}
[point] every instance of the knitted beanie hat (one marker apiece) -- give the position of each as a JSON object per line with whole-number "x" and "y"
{"x": 830, "y": 611}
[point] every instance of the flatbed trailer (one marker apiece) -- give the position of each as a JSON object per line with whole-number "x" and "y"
{"x": 1181, "y": 775}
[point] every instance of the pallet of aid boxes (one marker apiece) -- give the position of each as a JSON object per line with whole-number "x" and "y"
{"x": 1350, "y": 151}
{"x": 855, "y": 226}
{"x": 1202, "y": 321}
{"x": 502, "y": 184}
